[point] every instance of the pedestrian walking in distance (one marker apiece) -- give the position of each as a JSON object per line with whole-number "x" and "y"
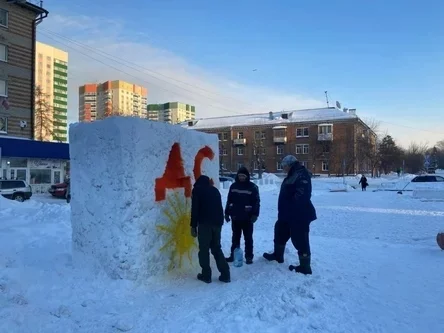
{"x": 363, "y": 183}
{"x": 243, "y": 205}
{"x": 207, "y": 219}
{"x": 295, "y": 213}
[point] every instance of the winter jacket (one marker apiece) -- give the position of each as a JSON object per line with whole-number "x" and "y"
{"x": 243, "y": 200}
{"x": 363, "y": 182}
{"x": 206, "y": 204}
{"x": 294, "y": 203}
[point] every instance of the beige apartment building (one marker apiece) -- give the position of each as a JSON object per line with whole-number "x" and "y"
{"x": 51, "y": 72}
{"x": 172, "y": 112}
{"x": 18, "y": 24}
{"x": 98, "y": 101}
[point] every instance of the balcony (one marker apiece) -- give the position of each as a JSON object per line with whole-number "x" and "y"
{"x": 240, "y": 142}
{"x": 279, "y": 139}
{"x": 325, "y": 137}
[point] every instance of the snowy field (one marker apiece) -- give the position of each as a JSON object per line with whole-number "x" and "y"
{"x": 377, "y": 268}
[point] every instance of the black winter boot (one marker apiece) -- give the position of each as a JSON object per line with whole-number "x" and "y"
{"x": 304, "y": 265}
{"x": 203, "y": 278}
{"x": 230, "y": 258}
{"x": 277, "y": 255}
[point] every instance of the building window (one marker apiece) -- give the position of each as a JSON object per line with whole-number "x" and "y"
{"x": 4, "y": 17}
{"x": 3, "y": 88}
{"x": 40, "y": 176}
{"x": 259, "y": 135}
{"x": 224, "y": 152}
{"x": 240, "y": 135}
{"x": 304, "y": 163}
{"x": 324, "y": 166}
{"x": 279, "y": 150}
{"x": 3, "y": 53}
{"x": 239, "y": 165}
{"x": 302, "y": 149}
{"x": 302, "y": 132}
{"x": 240, "y": 150}
{"x": 3, "y": 125}
{"x": 279, "y": 166}
{"x": 225, "y": 136}
{"x": 325, "y": 129}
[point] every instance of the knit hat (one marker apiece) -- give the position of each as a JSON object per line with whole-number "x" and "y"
{"x": 289, "y": 160}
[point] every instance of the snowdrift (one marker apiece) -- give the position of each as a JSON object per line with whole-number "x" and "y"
{"x": 131, "y": 182}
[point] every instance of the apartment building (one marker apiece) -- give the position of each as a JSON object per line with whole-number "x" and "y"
{"x": 18, "y": 21}
{"x": 98, "y": 101}
{"x": 171, "y": 112}
{"x": 326, "y": 140}
{"x": 51, "y": 74}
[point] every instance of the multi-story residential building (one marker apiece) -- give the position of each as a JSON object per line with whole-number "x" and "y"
{"x": 326, "y": 141}
{"x": 52, "y": 80}
{"x": 18, "y": 21}
{"x": 98, "y": 101}
{"x": 173, "y": 113}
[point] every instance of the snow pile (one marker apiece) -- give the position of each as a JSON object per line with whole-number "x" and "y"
{"x": 126, "y": 203}
{"x": 271, "y": 177}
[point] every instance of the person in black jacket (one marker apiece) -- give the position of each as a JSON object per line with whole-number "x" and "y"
{"x": 207, "y": 218}
{"x": 364, "y": 183}
{"x": 295, "y": 213}
{"x": 243, "y": 204}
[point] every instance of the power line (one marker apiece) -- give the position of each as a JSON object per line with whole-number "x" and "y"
{"x": 51, "y": 34}
{"x": 122, "y": 71}
{"x": 125, "y": 62}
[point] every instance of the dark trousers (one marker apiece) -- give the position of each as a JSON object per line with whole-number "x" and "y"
{"x": 239, "y": 228}
{"x": 364, "y": 187}
{"x": 209, "y": 240}
{"x": 299, "y": 235}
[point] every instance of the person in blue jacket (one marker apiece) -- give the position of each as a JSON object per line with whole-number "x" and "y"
{"x": 243, "y": 205}
{"x": 295, "y": 213}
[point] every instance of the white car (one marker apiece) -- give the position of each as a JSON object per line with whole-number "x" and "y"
{"x": 17, "y": 190}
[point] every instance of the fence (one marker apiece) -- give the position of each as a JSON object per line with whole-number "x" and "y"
{"x": 258, "y": 182}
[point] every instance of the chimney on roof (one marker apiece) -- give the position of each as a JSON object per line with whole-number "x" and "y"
{"x": 270, "y": 115}
{"x": 285, "y": 116}
{"x": 352, "y": 111}
{"x": 191, "y": 123}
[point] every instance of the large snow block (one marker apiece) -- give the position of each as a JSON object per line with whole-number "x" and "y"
{"x": 131, "y": 182}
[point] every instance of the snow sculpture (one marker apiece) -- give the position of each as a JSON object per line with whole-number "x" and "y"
{"x": 131, "y": 182}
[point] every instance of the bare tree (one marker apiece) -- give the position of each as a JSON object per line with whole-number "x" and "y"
{"x": 258, "y": 158}
{"x": 43, "y": 113}
{"x": 414, "y": 157}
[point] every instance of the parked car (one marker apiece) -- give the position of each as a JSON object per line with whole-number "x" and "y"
{"x": 427, "y": 179}
{"x": 18, "y": 190}
{"x": 59, "y": 190}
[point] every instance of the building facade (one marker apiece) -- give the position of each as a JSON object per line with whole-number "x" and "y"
{"x": 173, "y": 112}
{"x": 41, "y": 164}
{"x": 326, "y": 141}
{"x": 18, "y": 21}
{"x": 98, "y": 101}
{"x": 52, "y": 82}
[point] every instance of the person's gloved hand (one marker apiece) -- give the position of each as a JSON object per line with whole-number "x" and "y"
{"x": 193, "y": 232}
{"x": 227, "y": 218}
{"x": 253, "y": 219}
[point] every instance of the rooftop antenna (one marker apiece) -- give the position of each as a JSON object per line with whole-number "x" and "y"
{"x": 326, "y": 98}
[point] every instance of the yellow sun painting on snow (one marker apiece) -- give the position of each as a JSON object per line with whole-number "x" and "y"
{"x": 180, "y": 243}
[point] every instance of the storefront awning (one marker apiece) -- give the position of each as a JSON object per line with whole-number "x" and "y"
{"x": 12, "y": 147}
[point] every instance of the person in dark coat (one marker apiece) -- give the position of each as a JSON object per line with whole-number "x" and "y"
{"x": 363, "y": 183}
{"x": 295, "y": 213}
{"x": 243, "y": 205}
{"x": 207, "y": 219}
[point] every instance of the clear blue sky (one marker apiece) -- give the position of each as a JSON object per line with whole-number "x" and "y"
{"x": 383, "y": 57}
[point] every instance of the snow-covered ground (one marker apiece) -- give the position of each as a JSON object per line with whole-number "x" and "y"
{"x": 377, "y": 268}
